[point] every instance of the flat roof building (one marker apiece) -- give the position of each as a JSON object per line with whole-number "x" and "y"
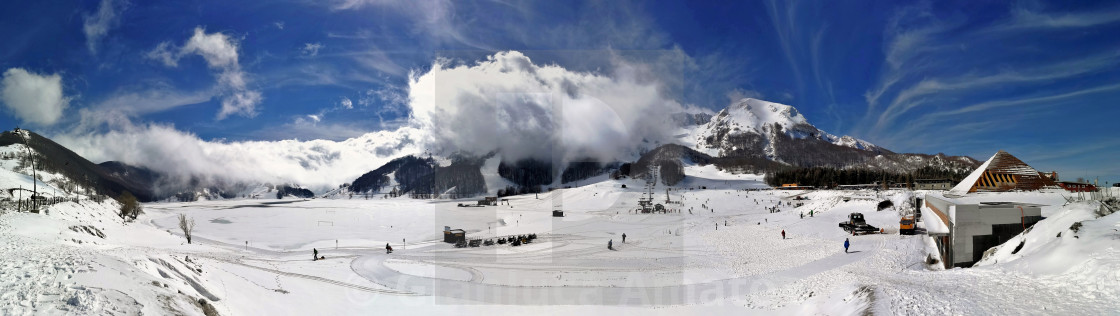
{"x": 964, "y": 230}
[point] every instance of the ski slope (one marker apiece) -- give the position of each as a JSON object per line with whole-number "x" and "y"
{"x": 720, "y": 253}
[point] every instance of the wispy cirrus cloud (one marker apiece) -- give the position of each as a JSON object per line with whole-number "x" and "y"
{"x": 911, "y": 97}
{"x": 97, "y": 25}
{"x": 435, "y": 19}
{"x": 128, "y": 103}
{"x": 1024, "y": 19}
{"x": 937, "y": 72}
{"x": 311, "y": 49}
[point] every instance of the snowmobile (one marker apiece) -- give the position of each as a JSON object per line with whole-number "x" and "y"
{"x": 856, "y": 225}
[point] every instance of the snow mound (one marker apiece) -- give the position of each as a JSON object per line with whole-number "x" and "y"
{"x": 1074, "y": 245}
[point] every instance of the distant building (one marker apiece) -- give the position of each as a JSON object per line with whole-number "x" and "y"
{"x": 964, "y": 230}
{"x": 932, "y": 184}
{"x": 799, "y": 187}
{"x": 858, "y": 187}
{"x": 1077, "y": 186}
{"x": 489, "y": 200}
{"x": 1052, "y": 175}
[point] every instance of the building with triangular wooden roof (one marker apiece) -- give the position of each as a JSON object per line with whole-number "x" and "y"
{"x": 1001, "y": 173}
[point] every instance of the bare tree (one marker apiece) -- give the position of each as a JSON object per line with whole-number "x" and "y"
{"x": 187, "y": 226}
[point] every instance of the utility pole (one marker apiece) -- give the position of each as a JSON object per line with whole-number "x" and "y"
{"x": 34, "y": 176}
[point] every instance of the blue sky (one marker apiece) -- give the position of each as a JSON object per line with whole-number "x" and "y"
{"x": 1038, "y": 79}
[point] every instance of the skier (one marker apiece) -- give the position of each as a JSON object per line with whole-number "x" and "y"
{"x": 783, "y": 234}
{"x": 388, "y": 249}
{"x": 624, "y": 238}
{"x": 610, "y": 244}
{"x": 846, "y": 244}
{"x": 314, "y": 254}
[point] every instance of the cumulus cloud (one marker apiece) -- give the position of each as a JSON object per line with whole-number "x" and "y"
{"x": 509, "y": 104}
{"x": 219, "y": 50}
{"x": 221, "y": 54}
{"x": 346, "y": 103}
{"x": 32, "y": 97}
{"x": 97, "y": 25}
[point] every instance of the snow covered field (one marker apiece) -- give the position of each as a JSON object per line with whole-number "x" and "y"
{"x": 722, "y": 253}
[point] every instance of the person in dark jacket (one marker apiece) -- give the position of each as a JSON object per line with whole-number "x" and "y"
{"x": 624, "y": 238}
{"x": 610, "y": 244}
{"x": 846, "y": 244}
{"x": 783, "y": 234}
{"x": 314, "y": 254}
{"x": 388, "y": 249}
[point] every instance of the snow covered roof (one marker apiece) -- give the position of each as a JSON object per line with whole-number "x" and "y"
{"x": 935, "y": 220}
{"x": 933, "y": 224}
{"x": 1002, "y": 172}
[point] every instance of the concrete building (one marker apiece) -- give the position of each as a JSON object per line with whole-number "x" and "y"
{"x": 964, "y": 230}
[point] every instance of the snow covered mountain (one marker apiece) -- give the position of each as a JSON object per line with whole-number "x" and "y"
{"x": 752, "y": 129}
{"x": 750, "y": 124}
{"x": 62, "y": 167}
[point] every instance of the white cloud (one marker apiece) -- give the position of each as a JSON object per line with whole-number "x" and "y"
{"x": 911, "y": 97}
{"x": 279, "y": 25}
{"x": 435, "y": 18}
{"x": 166, "y": 53}
{"x": 319, "y": 164}
{"x": 508, "y": 103}
{"x": 219, "y": 50}
{"x": 221, "y": 54}
{"x": 346, "y": 103}
{"x": 124, "y": 105}
{"x": 738, "y": 94}
{"x": 923, "y": 66}
{"x": 311, "y": 49}
{"x": 1026, "y": 19}
{"x": 97, "y": 25}
{"x": 32, "y": 97}
{"x": 391, "y": 102}
{"x": 505, "y": 102}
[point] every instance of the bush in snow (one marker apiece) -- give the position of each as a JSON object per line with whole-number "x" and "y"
{"x": 130, "y": 206}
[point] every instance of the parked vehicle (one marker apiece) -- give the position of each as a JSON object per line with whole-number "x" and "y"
{"x": 856, "y": 225}
{"x": 906, "y": 225}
